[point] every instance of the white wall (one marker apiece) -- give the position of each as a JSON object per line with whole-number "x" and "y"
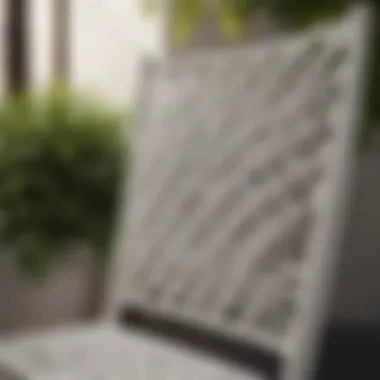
{"x": 40, "y": 34}
{"x": 108, "y": 38}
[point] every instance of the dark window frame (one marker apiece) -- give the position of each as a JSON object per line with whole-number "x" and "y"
{"x": 16, "y": 66}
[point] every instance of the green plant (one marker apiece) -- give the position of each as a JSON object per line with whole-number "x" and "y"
{"x": 60, "y": 165}
{"x": 234, "y": 15}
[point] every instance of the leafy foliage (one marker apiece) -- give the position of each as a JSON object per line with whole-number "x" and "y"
{"x": 234, "y": 16}
{"x": 60, "y": 166}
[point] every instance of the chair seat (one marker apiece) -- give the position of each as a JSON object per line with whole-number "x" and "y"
{"x": 103, "y": 352}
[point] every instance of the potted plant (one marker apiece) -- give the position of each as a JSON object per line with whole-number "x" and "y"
{"x": 61, "y": 163}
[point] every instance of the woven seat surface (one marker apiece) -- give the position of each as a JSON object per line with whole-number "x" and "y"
{"x": 108, "y": 353}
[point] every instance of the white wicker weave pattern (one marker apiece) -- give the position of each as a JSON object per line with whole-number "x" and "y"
{"x": 108, "y": 353}
{"x": 235, "y": 160}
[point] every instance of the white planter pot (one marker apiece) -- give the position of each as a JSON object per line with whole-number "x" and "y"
{"x": 70, "y": 293}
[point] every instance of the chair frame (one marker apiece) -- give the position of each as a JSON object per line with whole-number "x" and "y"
{"x": 314, "y": 298}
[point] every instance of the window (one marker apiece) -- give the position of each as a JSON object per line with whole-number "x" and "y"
{"x": 17, "y": 65}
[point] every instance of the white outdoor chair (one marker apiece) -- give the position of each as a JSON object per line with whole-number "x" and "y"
{"x": 240, "y": 170}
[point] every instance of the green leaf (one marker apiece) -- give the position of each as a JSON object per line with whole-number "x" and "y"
{"x": 148, "y": 7}
{"x": 232, "y": 18}
{"x": 187, "y": 15}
